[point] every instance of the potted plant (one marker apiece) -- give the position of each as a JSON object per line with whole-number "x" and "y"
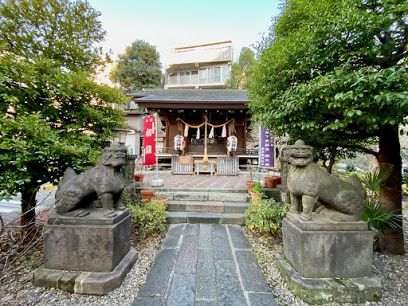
{"x": 272, "y": 181}
{"x": 269, "y": 182}
{"x": 256, "y": 192}
{"x": 138, "y": 173}
{"x": 277, "y": 180}
{"x": 250, "y": 183}
{"x": 147, "y": 194}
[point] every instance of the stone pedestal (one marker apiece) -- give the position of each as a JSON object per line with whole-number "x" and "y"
{"x": 317, "y": 291}
{"x": 86, "y": 251}
{"x": 320, "y": 250}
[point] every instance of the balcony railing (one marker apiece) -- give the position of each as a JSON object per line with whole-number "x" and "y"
{"x": 202, "y": 76}
{"x": 197, "y": 80}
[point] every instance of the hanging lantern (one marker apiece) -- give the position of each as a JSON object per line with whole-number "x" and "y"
{"x": 232, "y": 143}
{"x": 179, "y": 143}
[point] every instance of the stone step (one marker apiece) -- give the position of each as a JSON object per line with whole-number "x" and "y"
{"x": 204, "y": 196}
{"x": 204, "y": 217}
{"x": 207, "y": 206}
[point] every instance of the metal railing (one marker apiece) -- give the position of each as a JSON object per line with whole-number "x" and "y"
{"x": 203, "y": 77}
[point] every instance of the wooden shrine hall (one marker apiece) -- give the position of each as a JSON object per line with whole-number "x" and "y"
{"x": 204, "y": 130}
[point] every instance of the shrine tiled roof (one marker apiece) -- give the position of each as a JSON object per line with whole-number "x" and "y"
{"x": 226, "y": 96}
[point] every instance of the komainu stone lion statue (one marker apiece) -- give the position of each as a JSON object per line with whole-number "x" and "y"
{"x": 308, "y": 185}
{"x": 103, "y": 183}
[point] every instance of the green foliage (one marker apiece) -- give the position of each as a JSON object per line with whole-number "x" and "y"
{"x": 335, "y": 75}
{"x": 405, "y": 177}
{"x": 61, "y": 30}
{"x": 373, "y": 180}
{"x": 32, "y": 152}
{"x": 257, "y": 188}
{"x": 148, "y": 217}
{"x": 57, "y": 114}
{"x": 334, "y": 72}
{"x": 240, "y": 71}
{"x": 266, "y": 216}
{"x": 379, "y": 219}
{"x": 350, "y": 168}
{"x": 138, "y": 68}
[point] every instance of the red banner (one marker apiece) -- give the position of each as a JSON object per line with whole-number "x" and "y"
{"x": 149, "y": 140}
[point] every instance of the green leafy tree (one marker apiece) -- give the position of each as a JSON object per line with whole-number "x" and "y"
{"x": 52, "y": 112}
{"x": 335, "y": 73}
{"x": 241, "y": 70}
{"x": 138, "y": 68}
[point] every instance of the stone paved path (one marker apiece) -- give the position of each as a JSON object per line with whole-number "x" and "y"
{"x": 204, "y": 181}
{"x": 205, "y": 264}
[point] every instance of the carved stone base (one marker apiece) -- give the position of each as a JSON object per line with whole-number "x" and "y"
{"x": 320, "y": 248}
{"x": 325, "y": 290}
{"x": 97, "y": 283}
{"x": 86, "y": 251}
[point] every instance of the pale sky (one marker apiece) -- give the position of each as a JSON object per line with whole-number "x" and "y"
{"x": 169, "y": 24}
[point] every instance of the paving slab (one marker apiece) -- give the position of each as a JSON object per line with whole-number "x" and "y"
{"x": 220, "y": 231}
{"x": 229, "y": 289}
{"x": 182, "y": 290}
{"x": 261, "y": 299}
{"x": 206, "y": 287}
{"x": 205, "y": 265}
{"x": 205, "y": 236}
{"x": 159, "y": 274}
{"x": 173, "y": 236}
{"x": 175, "y": 230}
{"x": 148, "y": 301}
{"x": 222, "y": 249}
{"x": 187, "y": 258}
{"x": 191, "y": 229}
{"x": 252, "y": 277}
{"x": 206, "y": 303}
{"x": 238, "y": 238}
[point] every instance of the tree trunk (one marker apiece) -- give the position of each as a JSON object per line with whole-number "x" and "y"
{"x": 332, "y": 159}
{"x": 28, "y": 204}
{"x": 328, "y": 163}
{"x": 390, "y": 191}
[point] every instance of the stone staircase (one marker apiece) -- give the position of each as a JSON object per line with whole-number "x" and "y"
{"x": 225, "y": 206}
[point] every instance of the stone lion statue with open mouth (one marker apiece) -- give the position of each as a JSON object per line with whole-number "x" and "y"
{"x": 309, "y": 185}
{"x": 102, "y": 184}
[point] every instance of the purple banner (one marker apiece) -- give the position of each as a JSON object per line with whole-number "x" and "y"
{"x": 266, "y": 148}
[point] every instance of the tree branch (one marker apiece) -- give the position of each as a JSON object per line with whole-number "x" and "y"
{"x": 360, "y": 148}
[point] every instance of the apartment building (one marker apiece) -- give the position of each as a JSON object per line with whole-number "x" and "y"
{"x": 200, "y": 66}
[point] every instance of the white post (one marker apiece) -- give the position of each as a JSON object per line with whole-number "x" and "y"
{"x": 205, "y": 139}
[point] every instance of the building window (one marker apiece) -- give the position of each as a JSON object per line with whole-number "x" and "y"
{"x": 211, "y": 75}
{"x": 217, "y": 75}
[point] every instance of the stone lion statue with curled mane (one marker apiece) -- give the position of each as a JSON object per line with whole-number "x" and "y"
{"x": 310, "y": 186}
{"x": 103, "y": 184}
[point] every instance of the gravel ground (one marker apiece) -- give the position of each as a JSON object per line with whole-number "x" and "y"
{"x": 392, "y": 269}
{"x": 22, "y": 292}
